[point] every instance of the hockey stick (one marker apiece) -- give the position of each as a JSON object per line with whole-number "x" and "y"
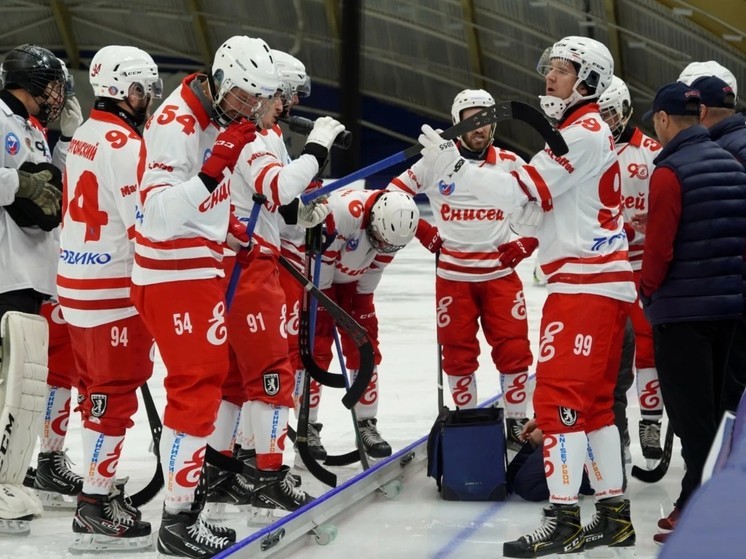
{"x": 440, "y": 352}
{"x": 657, "y": 473}
{"x": 148, "y": 493}
{"x": 496, "y": 113}
{"x": 259, "y": 200}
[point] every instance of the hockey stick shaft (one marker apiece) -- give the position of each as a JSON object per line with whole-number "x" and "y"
{"x": 259, "y": 200}
{"x": 440, "y": 353}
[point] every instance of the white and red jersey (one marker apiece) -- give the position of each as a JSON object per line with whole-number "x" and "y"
{"x": 264, "y": 167}
{"x": 636, "y": 165}
{"x": 98, "y": 225}
{"x": 181, "y": 226}
{"x": 28, "y": 254}
{"x": 471, "y": 228}
{"x": 351, "y": 257}
{"x": 583, "y": 247}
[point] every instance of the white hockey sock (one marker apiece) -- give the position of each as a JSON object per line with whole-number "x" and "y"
{"x": 367, "y": 407}
{"x": 564, "y": 455}
{"x": 649, "y": 394}
{"x": 56, "y": 417}
{"x": 604, "y": 462}
{"x": 100, "y": 459}
{"x": 313, "y": 405}
{"x": 463, "y": 390}
{"x": 515, "y": 397}
{"x": 245, "y": 436}
{"x": 226, "y": 425}
{"x": 269, "y": 423}
{"x": 182, "y": 458}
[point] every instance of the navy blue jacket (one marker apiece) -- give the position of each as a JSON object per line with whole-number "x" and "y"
{"x": 704, "y": 279}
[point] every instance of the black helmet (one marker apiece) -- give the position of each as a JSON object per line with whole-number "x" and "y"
{"x": 32, "y": 68}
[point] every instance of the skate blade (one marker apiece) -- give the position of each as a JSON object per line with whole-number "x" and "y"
{"x": 15, "y": 527}
{"x": 223, "y": 511}
{"x": 96, "y": 543}
{"x": 261, "y": 516}
{"x": 605, "y": 552}
{"x": 51, "y": 500}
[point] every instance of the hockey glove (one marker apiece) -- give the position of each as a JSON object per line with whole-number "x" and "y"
{"x": 321, "y": 138}
{"x": 630, "y": 232}
{"x": 38, "y": 188}
{"x": 226, "y": 149}
{"x": 526, "y": 220}
{"x": 312, "y": 214}
{"x": 70, "y": 118}
{"x": 428, "y": 236}
{"x": 513, "y": 252}
{"x": 440, "y": 156}
{"x": 238, "y": 240}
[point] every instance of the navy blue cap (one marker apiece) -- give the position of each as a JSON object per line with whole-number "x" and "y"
{"x": 675, "y": 98}
{"x": 714, "y": 92}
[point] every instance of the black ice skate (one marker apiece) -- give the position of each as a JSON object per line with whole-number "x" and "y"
{"x": 560, "y": 532}
{"x": 514, "y": 428}
{"x": 226, "y": 488}
{"x": 185, "y": 534}
{"x": 611, "y": 525}
{"x": 54, "y": 480}
{"x": 650, "y": 439}
{"x": 100, "y": 524}
{"x": 117, "y": 493}
{"x": 315, "y": 448}
{"x": 375, "y": 445}
{"x": 276, "y": 495}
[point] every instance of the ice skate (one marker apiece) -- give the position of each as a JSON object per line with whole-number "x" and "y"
{"x": 226, "y": 488}
{"x": 514, "y": 428}
{"x": 374, "y": 443}
{"x": 560, "y": 533}
{"x": 101, "y": 525}
{"x": 185, "y": 534}
{"x": 55, "y": 483}
{"x": 276, "y": 496}
{"x": 611, "y": 526}
{"x": 650, "y": 439}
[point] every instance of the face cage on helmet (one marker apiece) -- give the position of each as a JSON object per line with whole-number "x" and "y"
{"x": 152, "y": 89}
{"x": 258, "y": 107}
{"x": 50, "y": 108}
{"x": 378, "y": 244}
{"x": 617, "y": 122}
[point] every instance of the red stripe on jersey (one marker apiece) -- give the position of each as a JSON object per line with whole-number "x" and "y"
{"x": 96, "y": 305}
{"x": 470, "y": 255}
{"x": 131, "y": 232}
{"x": 552, "y": 267}
{"x": 93, "y": 283}
{"x": 190, "y": 242}
{"x": 467, "y": 269}
{"x": 259, "y": 183}
{"x": 523, "y": 186}
{"x": 400, "y": 184}
{"x": 601, "y": 277}
{"x": 544, "y": 195}
{"x": 383, "y": 258}
{"x": 193, "y": 103}
{"x": 178, "y": 263}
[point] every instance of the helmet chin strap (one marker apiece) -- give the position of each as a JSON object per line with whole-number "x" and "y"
{"x": 555, "y": 107}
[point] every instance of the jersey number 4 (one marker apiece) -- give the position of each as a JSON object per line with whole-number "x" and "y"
{"x": 84, "y": 206}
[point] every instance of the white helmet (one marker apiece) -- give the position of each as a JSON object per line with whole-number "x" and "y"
{"x": 244, "y": 63}
{"x": 594, "y": 64}
{"x": 393, "y": 221}
{"x": 292, "y": 73}
{"x": 616, "y": 106}
{"x": 115, "y": 68}
{"x": 710, "y": 68}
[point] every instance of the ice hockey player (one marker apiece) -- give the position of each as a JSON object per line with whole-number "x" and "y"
{"x": 572, "y": 203}
{"x": 636, "y": 153}
{"x": 476, "y": 280}
{"x": 109, "y": 339}
{"x": 193, "y": 142}
{"x": 33, "y": 86}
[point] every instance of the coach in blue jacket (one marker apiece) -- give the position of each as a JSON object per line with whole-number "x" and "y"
{"x": 691, "y": 272}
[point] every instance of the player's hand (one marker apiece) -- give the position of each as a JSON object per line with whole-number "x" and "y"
{"x": 526, "y": 220}
{"x": 428, "y": 236}
{"x": 71, "y": 117}
{"x": 324, "y": 132}
{"x": 513, "y": 252}
{"x": 38, "y": 188}
{"x": 313, "y": 213}
{"x": 227, "y": 148}
{"x": 630, "y": 232}
{"x": 639, "y": 222}
{"x": 439, "y": 155}
{"x": 238, "y": 235}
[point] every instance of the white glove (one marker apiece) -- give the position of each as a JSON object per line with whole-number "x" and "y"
{"x": 312, "y": 214}
{"x": 71, "y": 117}
{"x": 526, "y": 220}
{"x": 441, "y": 157}
{"x": 324, "y": 131}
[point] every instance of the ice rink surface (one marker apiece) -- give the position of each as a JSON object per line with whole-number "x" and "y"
{"x": 417, "y": 525}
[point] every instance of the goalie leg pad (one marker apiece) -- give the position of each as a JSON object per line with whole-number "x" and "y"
{"x": 23, "y": 391}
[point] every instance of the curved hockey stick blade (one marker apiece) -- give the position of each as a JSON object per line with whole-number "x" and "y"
{"x": 301, "y": 440}
{"x": 332, "y": 459}
{"x": 536, "y": 119}
{"x": 657, "y": 473}
{"x": 148, "y": 493}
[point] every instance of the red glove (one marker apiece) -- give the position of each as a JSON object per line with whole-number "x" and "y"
{"x": 238, "y": 240}
{"x": 428, "y": 236}
{"x": 513, "y": 252}
{"x": 227, "y": 148}
{"x": 630, "y": 232}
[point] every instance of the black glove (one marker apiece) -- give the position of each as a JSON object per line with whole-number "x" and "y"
{"x": 39, "y": 196}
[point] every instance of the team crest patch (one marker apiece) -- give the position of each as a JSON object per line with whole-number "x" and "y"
{"x": 446, "y": 189}
{"x": 352, "y": 244}
{"x": 568, "y": 416}
{"x": 12, "y": 143}
{"x": 271, "y": 383}
{"x": 98, "y": 404}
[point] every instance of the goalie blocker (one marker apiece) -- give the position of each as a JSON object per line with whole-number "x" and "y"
{"x": 23, "y": 391}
